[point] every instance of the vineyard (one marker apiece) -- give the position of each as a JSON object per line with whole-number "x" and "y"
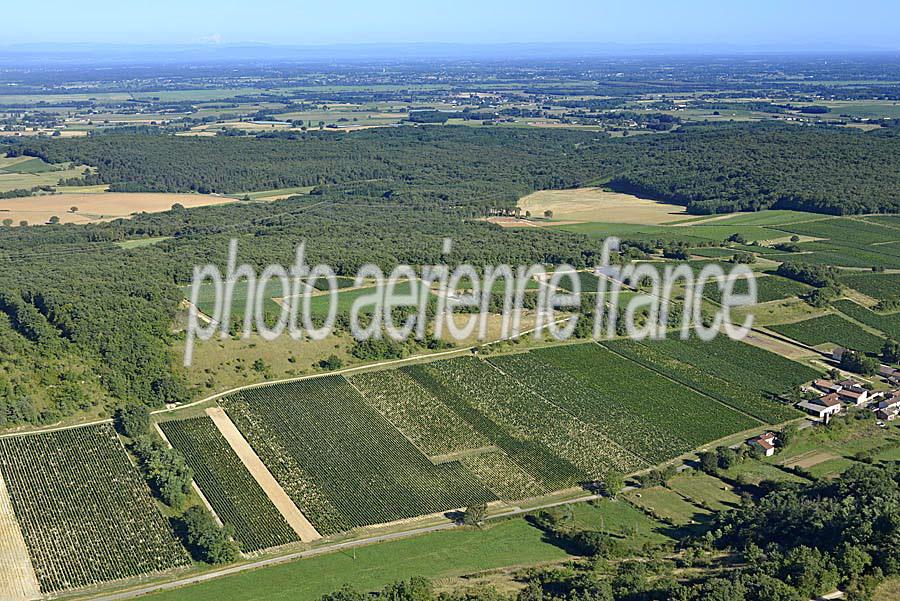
{"x": 356, "y": 469}
{"x": 655, "y": 402}
{"x": 85, "y": 512}
{"x": 612, "y": 420}
{"x": 536, "y": 461}
{"x": 881, "y": 286}
{"x": 393, "y": 444}
{"x": 887, "y": 323}
{"x": 831, "y": 328}
{"x": 768, "y": 288}
{"x": 421, "y": 416}
{"x": 743, "y": 377}
{"x": 847, "y": 242}
{"x": 230, "y": 489}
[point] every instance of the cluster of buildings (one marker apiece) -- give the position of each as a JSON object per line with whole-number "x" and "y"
{"x": 834, "y": 396}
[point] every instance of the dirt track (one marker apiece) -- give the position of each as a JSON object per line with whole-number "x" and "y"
{"x": 17, "y": 579}
{"x": 263, "y": 476}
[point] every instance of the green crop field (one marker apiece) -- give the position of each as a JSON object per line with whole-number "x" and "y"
{"x": 536, "y": 463}
{"x": 653, "y": 401}
{"x": 741, "y": 376}
{"x": 441, "y": 435}
{"x": 848, "y": 242}
{"x": 587, "y": 281}
{"x": 230, "y": 489}
{"x": 341, "y": 461}
{"x": 604, "y": 413}
{"x": 831, "y": 329}
{"x": 768, "y": 288}
{"x": 85, "y": 511}
{"x": 887, "y": 323}
{"x": 881, "y": 286}
{"x": 522, "y": 412}
{"x": 434, "y": 555}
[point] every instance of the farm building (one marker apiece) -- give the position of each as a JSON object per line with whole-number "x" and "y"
{"x": 822, "y": 407}
{"x": 888, "y": 415}
{"x": 889, "y": 373}
{"x": 890, "y": 401}
{"x": 766, "y": 442}
{"x": 852, "y": 397}
{"x": 853, "y": 385}
{"x": 827, "y": 386}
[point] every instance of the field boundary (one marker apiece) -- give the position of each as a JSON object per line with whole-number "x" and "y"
{"x": 194, "y": 484}
{"x": 280, "y": 499}
{"x": 18, "y": 581}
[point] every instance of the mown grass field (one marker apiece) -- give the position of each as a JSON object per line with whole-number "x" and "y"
{"x": 437, "y": 555}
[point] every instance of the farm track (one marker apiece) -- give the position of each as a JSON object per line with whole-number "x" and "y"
{"x": 17, "y": 579}
{"x": 295, "y": 519}
{"x": 224, "y": 393}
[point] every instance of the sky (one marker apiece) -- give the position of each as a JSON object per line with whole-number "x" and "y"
{"x": 811, "y": 24}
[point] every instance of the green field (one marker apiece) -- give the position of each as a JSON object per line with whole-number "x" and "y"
{"x": 321, "y": 440}
{"x": 768, "y": 288}
{"x": 665, "y": 504}
{"x": 653, "y": 401}
{"x": 705, "y": 490}
{"x": 887, "y": 323}
{"x": 369, "y": 568}
{"x": 832, "y": 329}
{"x": 881, "y": 286}
{"x": 743, "y": 377}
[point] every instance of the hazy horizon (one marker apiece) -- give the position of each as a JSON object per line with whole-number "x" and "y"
{"x": 803, "y": 25}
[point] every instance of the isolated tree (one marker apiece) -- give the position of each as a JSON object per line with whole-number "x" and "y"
{"x": 23, "y": 223}
{"x": 53, "y": 220}
{"x": 548, "y": 214}
{"x": 73, "y": 209}
{"x": 474, "y": 514}
{"x": 709, "y": 461}
{"x": 613, "y": 482}
{"x": 788, "y": 435}
{"x": 890, "y": 352}
{"x": 7, "y": 222}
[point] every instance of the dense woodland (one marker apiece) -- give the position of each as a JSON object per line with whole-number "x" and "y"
{"x": 85, "y": 325}
{"x": 709, "y": 169}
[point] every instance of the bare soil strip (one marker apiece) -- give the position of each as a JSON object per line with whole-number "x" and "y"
{"x": 17, "y": 579}
{"x": 263, "y": 476}
{"x": 779, "y": 347}
{"x": 809, "y": 459}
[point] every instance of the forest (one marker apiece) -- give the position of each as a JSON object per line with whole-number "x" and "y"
{"x": 86, "y": 325}
{"x": 710, "y": 169}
